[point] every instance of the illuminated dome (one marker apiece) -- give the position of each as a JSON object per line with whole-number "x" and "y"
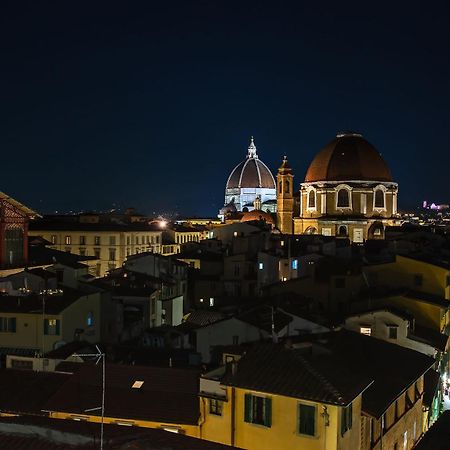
{"x": 348, "y": 157}
{"x": 251, "y": 173}
{"x": 249, "y": 180}
{"x": 257, "y": 214}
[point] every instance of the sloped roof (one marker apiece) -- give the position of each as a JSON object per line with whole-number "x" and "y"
{"x": 29, "y": 212}
{"x": 167, "y": 394}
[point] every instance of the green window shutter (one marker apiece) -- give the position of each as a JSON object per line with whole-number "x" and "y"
{"x": 268, "y": 412}
{"x": 343, "y": 421}
{"x": 248, "y": 408}
{"x": 45, "y": 326}
{"x": 307, "y": 419}
{"x": 58, "y": 322}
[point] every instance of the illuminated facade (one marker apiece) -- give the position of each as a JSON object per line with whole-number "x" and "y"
{"x": 249, "y": 180}
{"x": 348, "y": 192}
{"x": 14, "y": 219}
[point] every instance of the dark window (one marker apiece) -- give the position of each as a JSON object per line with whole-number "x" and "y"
{"x": 96, "y": 240}
{"x": 7, "y": 324}
{"x": 21, "y": 364}
{"x": 311, "y": 199}
{"x": 280, "y": 187}
{"x": 307, "y": 420}
{"x": 112, "y": 254}
{"x": 59, "y": 275}
{"x": 379, "y": 199}
{"x": 215, "y": 406}
{"x": 97, "y": 253}
{"x": 342, "y": 231}
{"x": 258, "y": 410}
{"x": 392, "y": 332}
{"x": 236, "y": 270}
{"x": 343, "y": 198}
{"x": 82, "y": 240}
{"x": 346, "y": 419}
{"x": 235, "y": 340}
{"x": 418, "y": 280}
{"x": 287, "y": 186}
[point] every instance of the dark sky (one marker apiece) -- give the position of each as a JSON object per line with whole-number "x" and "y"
{"x": 151, "y": 104}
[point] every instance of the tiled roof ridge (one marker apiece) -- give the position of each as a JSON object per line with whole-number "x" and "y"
{"x": 331, "y": 388}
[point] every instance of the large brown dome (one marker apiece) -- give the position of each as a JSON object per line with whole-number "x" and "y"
{"x": 348, "y": 157}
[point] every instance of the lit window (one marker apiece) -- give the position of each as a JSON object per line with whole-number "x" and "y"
{"x": 137, "y": 384}
{"x": 211, "y": 301}
{"x": 261, "y": 266}
{"x": 7, "y": 324}
{"x": 235, "y": 234}
{"x": 295, "y": 264}
{"x": 365, "y": 330}
{"x": 90, "y": 319}
{"x": 51, "y": 327}
{"x": 215, "y": 407}
{"x": 68, "y": 240}
{"x": 53, "y": 239}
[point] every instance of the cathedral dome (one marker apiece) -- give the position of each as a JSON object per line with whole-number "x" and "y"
{"x": 257, "y": 214}
{"x": 251, "y": 173}
{"x": 348, "y": 157}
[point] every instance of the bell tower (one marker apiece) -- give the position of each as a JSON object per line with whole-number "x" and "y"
{"x": 285, "y": 198}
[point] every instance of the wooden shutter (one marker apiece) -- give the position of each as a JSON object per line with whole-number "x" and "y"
{"x": 268, "y": 412}
{"x": 248, "y": 408}
{"x": 307, "y": 418}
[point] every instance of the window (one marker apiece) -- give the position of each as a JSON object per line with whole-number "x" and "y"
{"x": 365, "y": 330}
{"x": 379, "y": 198}
{"x": 393, "y": 332}
{"x": 307, "y": 420}
{"x": 53, "y": 239}
{"x": 96, "y": 240}
{"x": 211, "y": 301}
{"x": 82, "y": 240}
{"x": 312, "y": 199}
{"x": 405, "y": 440}
{"x": 342, "y": 231}
{"x": 287, "y": 186}
{"x": 418, "y": 280}
{"x": 295, "y": 264}
{"x": 51, "y": 327}
{"x": 235, "y": 340}
{"x": 346, "y": 419}
{"x": 280, "y": 187}
{"x": 21, "y": 364}
{"x": 90, "y": 319}
{"x": 112, "y": 240}
{"x": 261, "y": 266}
{"x": 97, "y": 253}
{"x": 343, "y": 198}
{"x": 236, "y": 270}
{"x": 128, "y": 240}
{"x": 258, "y": 410}
{"x": 7, "y": 324}
{"x": 112, "y": 254}
{"x": 68, "y": 240}
{"x": 215, "y": 407}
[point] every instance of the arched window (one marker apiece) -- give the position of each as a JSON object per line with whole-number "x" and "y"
{"x": 343, "y": 198}
{"x": 286, "y": 186}
{"x": 311, "y": 199}
{"x": 379, "y": 198}
{"x": 342, "y": 231}
{"x": 280, "y": 187}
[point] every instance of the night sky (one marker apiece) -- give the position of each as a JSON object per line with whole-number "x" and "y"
{"x": 151, "y": 104}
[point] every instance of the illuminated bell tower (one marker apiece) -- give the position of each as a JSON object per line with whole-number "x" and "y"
{"x": 285, "y": 198}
